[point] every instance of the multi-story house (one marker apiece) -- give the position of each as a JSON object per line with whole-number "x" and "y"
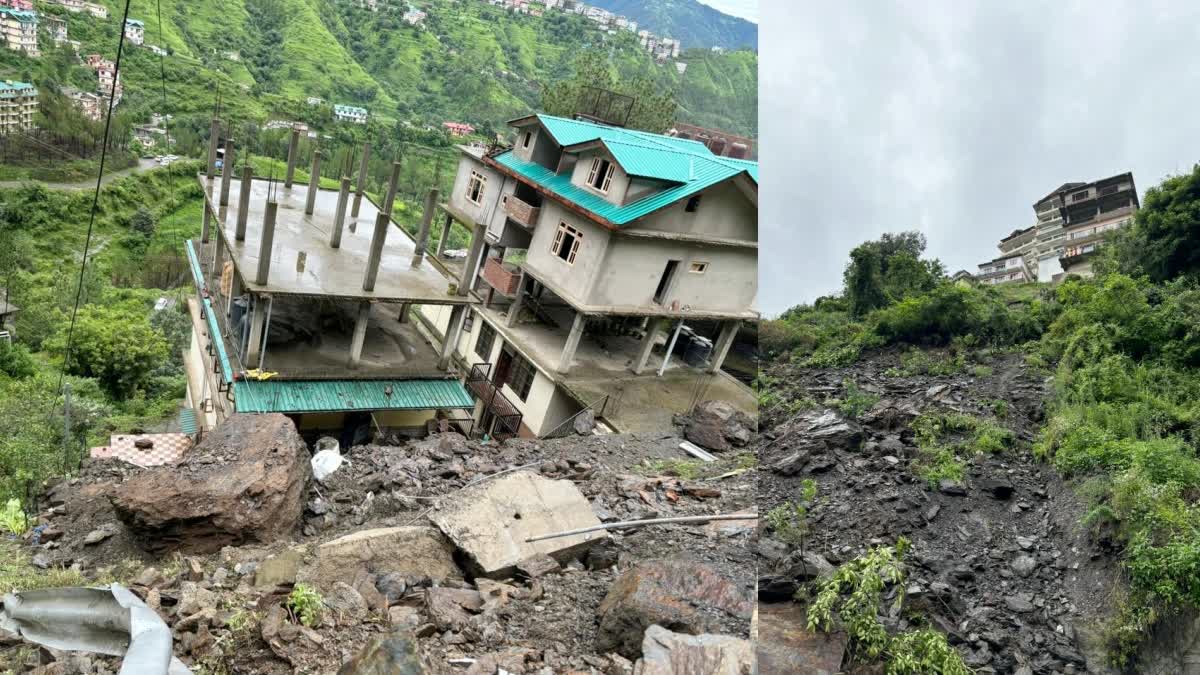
{"x": 1005, "y": 269}
{"x": 614, "y": 266}
{"x": 20, "y": 30}
{"x": 108, "y": 82}
{"x": 135, "y": 31}
{"x": 349, "y": 113}
{"x": 89, "y": 104}
{"x": 97, "y": 10}
{"x": 18, "y": 105}
{"x": 57, "y": 29}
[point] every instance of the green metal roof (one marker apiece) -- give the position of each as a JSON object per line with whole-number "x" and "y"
{"x": 300, "y": 396}
{"x": 22, "y": 15}
{"x": 187, "y": 421}
{"x": 135, "y": 22}
{"x": 338, "y": 107}
{"x": 210, "y": 316}
{"x": 688, "y": 164}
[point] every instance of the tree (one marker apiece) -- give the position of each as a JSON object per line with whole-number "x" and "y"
{"x": 653, "y": 108}
{"x": 120, "y": 350}
{"x": 15, "y": 360}
{"x": 1164, "y": 242}
{"x": 142, "y": 222}
{"x": 887, "y": 270}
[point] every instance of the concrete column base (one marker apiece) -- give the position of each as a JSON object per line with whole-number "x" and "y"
{"x": 653, "y": 327}
{"x": 453, "y": 330}
{"x": 728, "y": 332}
{"x": 573, "y": 338}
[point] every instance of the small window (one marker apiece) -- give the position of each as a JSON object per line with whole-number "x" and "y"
{"x": 1111, "y": 189}
{"x": 1079, "y": 196}
{"x": 698, "y": 268}
{"x": 483, "y": 343}
{"x": 692, "y": 204}
{"x": 566, "y": 243}
{"x": 520, "y": 377}
{"x": 600, "y": 177}
{"x": 475, "y": 187}
{"x": 528, "y": 138}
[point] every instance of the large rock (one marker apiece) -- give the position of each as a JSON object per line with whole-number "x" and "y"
{"x": 245, "y": 482}
{"x": 785, "y": 646}
{"x": 689, "y": 597}
{"x": 411, "y": 552}
{"x": 667, "y": 653}
{"x": 719, "y": 426}
{"x": 394, "y": 654}
{"x": 813, "y": 439}
{"x": 490, "y": 522}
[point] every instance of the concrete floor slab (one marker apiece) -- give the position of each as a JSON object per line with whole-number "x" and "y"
{"x": 326, "y": 271}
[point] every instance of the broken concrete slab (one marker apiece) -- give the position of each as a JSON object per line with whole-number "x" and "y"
{"x": 668, "y": 653}
{"x": 490, "y": 522}
{"x": 414, "y": 552}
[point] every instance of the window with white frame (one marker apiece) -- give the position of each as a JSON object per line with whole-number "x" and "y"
{"x": 600, "y": 176}
{"x": 566, "y": 243}
{"x": 698, "y": 267}
{"x": 475, "y": 187}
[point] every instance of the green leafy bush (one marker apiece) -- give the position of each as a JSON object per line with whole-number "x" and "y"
{"x": 305, "y": 605}
{"x": 789, "y": 521}
{"x": 947, "y": 441}
{"x": 856, "y": 400}
{"x": 12, "y": 518}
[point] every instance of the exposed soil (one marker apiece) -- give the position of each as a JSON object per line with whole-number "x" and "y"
{"x": 998, "y": 561}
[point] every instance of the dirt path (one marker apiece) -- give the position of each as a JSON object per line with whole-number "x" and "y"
{"x": 89, "y": 184}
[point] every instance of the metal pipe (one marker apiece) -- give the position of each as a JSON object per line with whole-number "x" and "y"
{"x": 362, "y": 180}
{"x": 378, "y": 238}
{"x": 670, "y": 347}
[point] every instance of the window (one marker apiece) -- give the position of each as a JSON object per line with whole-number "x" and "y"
{"x": 528, "y": 137}
{"x": 475, "y": 187}
{"x": 698, "y": 268}
{"x": 1079, "y": 196}
{"x": 483, "y": 343}
{"x": 520, "y": 376}
{"x": 1111, "y": 189}
{"x": 600, "y": 177}
{"x": 566, "y": 243}
{"x": 692, "y": 204}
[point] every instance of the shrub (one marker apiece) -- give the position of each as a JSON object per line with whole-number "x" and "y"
{"x": 15, "y": 360}
{"x": 777, "y": 336}
{"x": 856, "y": 401}
{"x": 12, "y": 518}
{"x": 305, "y": 603}
{"x": 789, "y": 521}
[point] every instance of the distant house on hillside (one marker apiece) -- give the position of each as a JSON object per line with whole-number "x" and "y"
{"x": 349, "y": 113}
{"x": 57, "y": 28}
{"x": 18, "y": 104}
{"x": 20, "y": 30}
{"x": 96, "y": 10}
{"x": 87, "y": 102}
{"x": 25, "y": 5}
{"x": 314, "y": 100}
{"x": 135, "y": 31}
{"x": 414, "y": 17}
{"x": 719, "y": 142}
{"x": 459, "y": 128}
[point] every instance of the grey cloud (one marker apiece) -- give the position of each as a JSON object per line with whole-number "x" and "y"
{"x": 953, "y": 118}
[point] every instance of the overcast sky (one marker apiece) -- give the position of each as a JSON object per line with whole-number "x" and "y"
{"x": 747, "y": 9}
{"x": 953, "y": 118}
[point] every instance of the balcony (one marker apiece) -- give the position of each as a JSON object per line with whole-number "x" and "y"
{"x": 521, "y": 211}
{"x": 507, "y": 419}
{"x": 501, "y": 277}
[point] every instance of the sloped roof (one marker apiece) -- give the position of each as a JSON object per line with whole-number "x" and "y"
{"x": 688, "y": 164}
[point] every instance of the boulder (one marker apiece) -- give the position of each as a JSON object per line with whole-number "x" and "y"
{"x": 451, "y": 608}
{"x": 668, "y": 653}
{"x": 414, "y": 551}
{"x": 490, "y": 522}
{"x": 689, "y": 597}
{"x": 584, "y": 422}
{"x": 394, "y": 654}
{"x": 719, "y": 426}
{"x": 245, "y": 482}
{"x": 785, "y": 646}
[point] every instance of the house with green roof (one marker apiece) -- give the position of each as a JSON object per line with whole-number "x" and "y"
{"x": 18, "y": 105}
{"x": 20, "y": 30}
{"x": 135, "y": 31}
{"x": 350, "y": 113}
{"x": 614, "y": 268}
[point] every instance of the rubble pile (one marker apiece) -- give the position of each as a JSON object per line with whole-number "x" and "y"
{"x": 998, "y": 561}
{"x": 418, "y": 555}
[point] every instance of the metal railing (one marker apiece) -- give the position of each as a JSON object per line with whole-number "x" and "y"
{"x": 507, "y": 418}
{"x": 555, "y": 432}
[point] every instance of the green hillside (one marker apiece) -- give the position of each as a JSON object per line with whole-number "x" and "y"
{"x": 469, "y": 61}
{"x": 692, "y": 22}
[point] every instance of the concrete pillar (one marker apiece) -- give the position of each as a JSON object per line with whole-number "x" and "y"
{"x": 362, "y": 180}
{"x": 471, "y": 264}
{"x": 573, "y": 338}
{"x": 441, "y": 247}
{"x": 403, "y": 318}
{"x": 257, "y": 320}
{"x": 393, "y": 184}
{"x": 514, "y": 310}
{"x": 725, "y": 338}
{"x": 204, "y": 227}
{"x": 244, "y": 202}
{"x": 265, "y": 243}
{"x": 216, "y": 266}
{"x": 235, "y": 289}
{"x": 214, "y": 132}
{"x": 652, "y": 329}
{"x": 314, "y": 183}
{"x": 452, "y": 333}
{"x": 226, "y": 171}
{"x": 360, "y": 333}
{"x": 426, "y": 223}
{"x": 293, "y": 151}
{"x": 339, "y": 215}
{"x": 382, "y": 223}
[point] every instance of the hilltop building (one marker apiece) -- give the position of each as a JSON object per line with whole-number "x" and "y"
{"x": 108, "y": 83}
{"x": 614, "y": 269}
{"x": 303, "y": 307}
{"x": 1072, "y": 224}
{"x": 96, "y": 10}
{"x": 57, "y": 29}
{"x": 349, "y": 113}
{"x": 459, "y": 128}
{"x": 135, "y": 31}
{"x": 20, "y": 30}
{"x": 18, "y": 105}
{"x": 90, "y": 104}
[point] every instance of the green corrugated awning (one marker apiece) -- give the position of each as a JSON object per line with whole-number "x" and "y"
{"x": 214, "y": 330}
{"x": 300, "y": 396}
{"x": 187, "y": 421}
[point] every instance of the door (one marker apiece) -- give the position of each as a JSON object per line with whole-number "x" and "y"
{"x": 664, "y": 283}
{"x": 503, "y": 366}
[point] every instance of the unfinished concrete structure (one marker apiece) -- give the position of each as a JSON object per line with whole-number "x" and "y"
{"x": 598, "y": 252}
{"x": 303, "y": 311}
